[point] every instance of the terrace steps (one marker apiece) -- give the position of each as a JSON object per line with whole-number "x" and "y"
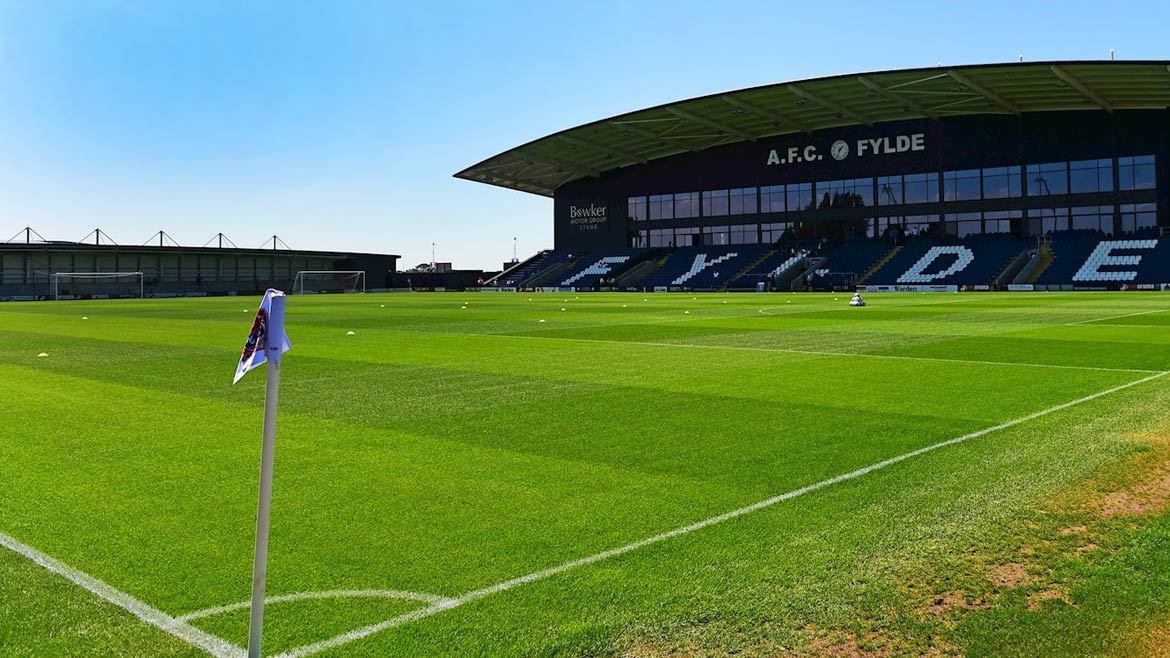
{"x": 880, "y": 264}
{"x": 1034, "y": 271}
{"x": 747, "y": 269}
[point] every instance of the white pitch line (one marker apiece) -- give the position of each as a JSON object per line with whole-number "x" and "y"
{"x": 1115, "y": 317}
{"x": 862, "y": 355}
{"x": 213, "y": 645}
{"x": 433, "y": 599}
{"x": 506, "y": 585}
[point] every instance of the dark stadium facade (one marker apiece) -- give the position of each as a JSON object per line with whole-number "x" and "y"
{"x": 1024, "y": 148}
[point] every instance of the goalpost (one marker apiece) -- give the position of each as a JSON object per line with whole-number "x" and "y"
{"x": 80, "y": 284}
{"x": 320, "y": 281}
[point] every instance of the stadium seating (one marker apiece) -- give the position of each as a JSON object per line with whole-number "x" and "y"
{"x": 1155, "y": 263}
{"x": 853, "y": 257}
{"x": 520, "y": 276}
{"x": 592, "y": 267}
{"x": 975, "y": 260}
{"x": 913, "y": 250}
{"x": 704, "y": 267}
{"x": 1070, "y": 249}
{"x": 1114, "y": 260}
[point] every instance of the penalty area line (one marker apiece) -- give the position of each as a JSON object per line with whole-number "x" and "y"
{"x": 216, "y": 646}
{"x": 1115, "y": 317}
{"x": 506, "y": 585}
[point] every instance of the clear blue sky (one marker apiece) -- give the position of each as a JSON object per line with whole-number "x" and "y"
{"x": 339, "y": 124}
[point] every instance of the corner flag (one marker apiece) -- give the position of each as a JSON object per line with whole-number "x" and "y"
{"x": 265, "y": 344}
{"x": 263, "y": 325}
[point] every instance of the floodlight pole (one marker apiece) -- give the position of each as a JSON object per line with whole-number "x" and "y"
{"x": 275, "y": 345}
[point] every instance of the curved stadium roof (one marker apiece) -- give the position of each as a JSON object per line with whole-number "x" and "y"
{"x": 543, "y": 165}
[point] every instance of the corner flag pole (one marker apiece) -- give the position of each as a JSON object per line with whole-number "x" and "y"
{"x": 271, "y": 395}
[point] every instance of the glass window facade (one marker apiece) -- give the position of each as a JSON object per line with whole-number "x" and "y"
{"x": 745, "y": 234}
{"x": 1136, "y": 216}
{"x": 715, "y": 203}
{"x": 849, "y": 193}
{"x": 1090, "y": 176}
{"x": 770, "y": 233}
{"x": 1136, "y": 173}
{"x": 799, "y": 196}
{"x": 906, "y": 189}
{"x": 1104, "y": 176}
{"x": 686, "y": 204}
{"x": 1047, "y": 179}
{"x": 1099, "y": 218}
{"x": 1002, "y": 183}
{"x": 961, "y": 185}
{"x": 743, "y": 201}
{"x": 716, "y": 235}
{"x": 772, "y": 199}
{"x": 636, "y": 208}
{"x": 1001, "y": 221}
{"x": 661, "y": 206}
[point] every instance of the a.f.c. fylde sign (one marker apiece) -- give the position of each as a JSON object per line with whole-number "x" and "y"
{"x": 841, "y": 149}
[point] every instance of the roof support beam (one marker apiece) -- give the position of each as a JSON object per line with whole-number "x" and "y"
{"x": 563, "y": 165}
{"x": 775, "y": 117}
{"x": 983, "y": 91}
{"x": 721, "y": 127}
{"x": 902, "y": 100}
{"x": 659, "y": 140}
{"x": 609, "y": 151}
{"x": 830, "y": 105}
{"x": 1081, "y": 87}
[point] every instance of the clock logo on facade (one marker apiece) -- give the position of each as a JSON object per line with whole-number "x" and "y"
{"x": 839, "y": 150}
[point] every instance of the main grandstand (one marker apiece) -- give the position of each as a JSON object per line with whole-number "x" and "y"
{"x": 46, "y": 269}
{"x": 1048, "y": 175}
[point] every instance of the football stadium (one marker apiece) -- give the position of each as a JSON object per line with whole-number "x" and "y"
{"x": 669, "y": 434}
{"x": 1046, "y": 175}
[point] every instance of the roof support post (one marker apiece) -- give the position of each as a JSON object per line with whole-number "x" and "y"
{"x": 607, "y": 150}
{"x": 1081, "y": 87}
{"x": 878, "y": 89}
{"x": 829, "y": 105}
{"x": 774, "y": 117}
{"x": 983, "y": 91}
{"x": 721, "y": 127}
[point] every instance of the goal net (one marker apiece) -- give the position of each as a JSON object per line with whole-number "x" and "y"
{"x": 97, "y": 285}
{"x": 322, "y": 281}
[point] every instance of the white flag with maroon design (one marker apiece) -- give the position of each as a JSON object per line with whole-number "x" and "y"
{"x": 255, "y": 351}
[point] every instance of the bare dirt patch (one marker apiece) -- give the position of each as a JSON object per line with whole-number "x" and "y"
{"x": 1037, "y": 599}
{"x": 1149, "y": 495}
{"x": 1010, "y": 575}
{"x": 844, "y": 644}
{"x": 952, "y": 601}
{"x": 1151, "y": 643}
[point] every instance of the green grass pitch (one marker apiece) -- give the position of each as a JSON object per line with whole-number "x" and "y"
{"x": 456, "y": 445}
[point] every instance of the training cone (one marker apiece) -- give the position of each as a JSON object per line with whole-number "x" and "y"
{"x": 47, "y": 354}
{"x": 350, "y": 333}
{"x": 85, "y": 317}
{"x": 540, "y": 320}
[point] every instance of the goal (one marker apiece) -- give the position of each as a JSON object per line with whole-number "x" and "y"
{"x": 97, "y": 285}
{"x": 320, "y": 281}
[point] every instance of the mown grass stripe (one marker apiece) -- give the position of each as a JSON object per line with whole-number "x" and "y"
{"x": 212, "y": 644}
{"x": 351, "y": 636}
{"x": 865, "y": 355}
